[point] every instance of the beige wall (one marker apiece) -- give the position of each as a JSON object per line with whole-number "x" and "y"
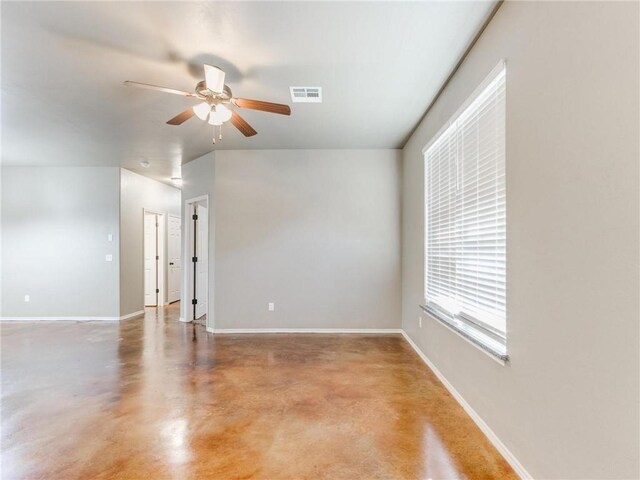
{"x": 55, "y": 227}
{"x": 137, "y": 193}
{"x": 317, "y": 232}
{"x": 567, "y": 406}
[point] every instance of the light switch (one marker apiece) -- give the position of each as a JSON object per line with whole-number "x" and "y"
{"x": 27, "y": 298}
{"x": 108, "y": 258}
{"x": 110, "y": 237}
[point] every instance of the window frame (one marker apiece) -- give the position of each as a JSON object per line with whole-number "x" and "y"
{"x": 483, "y": 336}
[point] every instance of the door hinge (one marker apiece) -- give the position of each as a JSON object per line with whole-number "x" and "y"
{"x": 194, "y": 217}
{"x": 157, "y": 257}
{"x": 194, "y": 301}
{"x": 157, "y": 290}
{"x": 194, "y": 259}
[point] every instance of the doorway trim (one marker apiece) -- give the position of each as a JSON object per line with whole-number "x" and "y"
{"x": 187, "y": 265}
{"x": 160, "y": 300}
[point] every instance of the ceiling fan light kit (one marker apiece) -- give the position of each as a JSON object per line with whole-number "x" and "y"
{"x": 216, "y": 97}
{"x": 202, "y": 110}
{"x": 219, "y": 114}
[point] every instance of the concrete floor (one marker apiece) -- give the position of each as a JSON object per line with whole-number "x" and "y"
{"x": 153, "y": 398}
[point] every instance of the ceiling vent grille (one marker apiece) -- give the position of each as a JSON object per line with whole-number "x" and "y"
{"x": 306, "y": 94}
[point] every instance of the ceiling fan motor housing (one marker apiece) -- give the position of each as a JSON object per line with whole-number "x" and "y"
{"x": 211, "y": 97}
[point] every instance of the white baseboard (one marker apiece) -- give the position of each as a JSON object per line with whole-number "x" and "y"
{"x": 493, "y": 438}
{"x": 307, "y": 330}
{"x": 59, "y": 319}
{"x": 131, "y": 315}
{"x": 71, "y": 319}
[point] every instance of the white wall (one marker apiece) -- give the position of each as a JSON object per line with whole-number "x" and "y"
{"x": 1, "y": 271}
{"x": 55, "y": 227}
{"x": 137, "y": 193}
{"x": 317, "y": 232}
{"x": 567, "y": 406}
{"x": 198, "y": 177}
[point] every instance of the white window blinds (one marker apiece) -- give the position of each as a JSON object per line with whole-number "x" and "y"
{"x": 465, "y": 245}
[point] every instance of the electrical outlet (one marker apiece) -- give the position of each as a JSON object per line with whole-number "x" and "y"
{"x": 110, "y": 237}
{"x": 108, "y": 258}
{"x": 27, "y": 298}
{"x": 420, "y": 321}
{"x": 272, "y": 307}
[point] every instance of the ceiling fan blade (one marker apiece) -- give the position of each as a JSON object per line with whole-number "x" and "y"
{"x": 129, "y": 83}
{"x": 278, "y": 108}
{"x": 242, "y": 125}
{"x": 214, "y": 78}
{"x": 181, "y": 117}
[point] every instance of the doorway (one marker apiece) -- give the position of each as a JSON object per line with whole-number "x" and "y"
{"x": 175, "y": 258}
{"x": 197, "y": 267}
{"x": 153, "y": 258}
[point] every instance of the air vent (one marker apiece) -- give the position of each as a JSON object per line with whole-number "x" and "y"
{"x": 306, "y": 94}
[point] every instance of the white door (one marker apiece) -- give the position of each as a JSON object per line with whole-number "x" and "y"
{"x": 202, "y": 249}
{"x": 150, "y": 260}
{"x": 173, "y": 252}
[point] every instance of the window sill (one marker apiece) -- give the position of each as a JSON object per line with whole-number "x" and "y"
{"x": 472, "y": 335}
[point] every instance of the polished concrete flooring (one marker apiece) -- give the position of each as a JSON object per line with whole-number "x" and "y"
{"x": 153, "y": 398}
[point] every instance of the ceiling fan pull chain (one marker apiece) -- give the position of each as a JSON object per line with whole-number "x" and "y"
{"x": 220, "y": 132}
{"x": 214, "y": 135}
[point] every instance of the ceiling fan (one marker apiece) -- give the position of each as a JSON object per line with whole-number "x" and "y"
{"x": 216, "y": 97}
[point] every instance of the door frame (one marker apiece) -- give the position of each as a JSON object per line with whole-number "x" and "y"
{"x": 181, "y": 260}
{"x": 161, "y": 265}
{"x": 187, "y": 273}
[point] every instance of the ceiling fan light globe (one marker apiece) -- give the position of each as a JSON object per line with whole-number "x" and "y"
{"x": 223, "y": 113}
{"x": 215, "y": 120}
{"x": 202, "y": 110}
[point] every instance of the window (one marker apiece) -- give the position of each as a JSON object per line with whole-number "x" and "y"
{"x": 465, "y": 219}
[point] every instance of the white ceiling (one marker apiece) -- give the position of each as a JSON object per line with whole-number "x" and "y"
{"x": 63, "y": 63}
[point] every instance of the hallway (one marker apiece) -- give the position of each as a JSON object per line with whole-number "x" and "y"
{"x": 155, "y": 398}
